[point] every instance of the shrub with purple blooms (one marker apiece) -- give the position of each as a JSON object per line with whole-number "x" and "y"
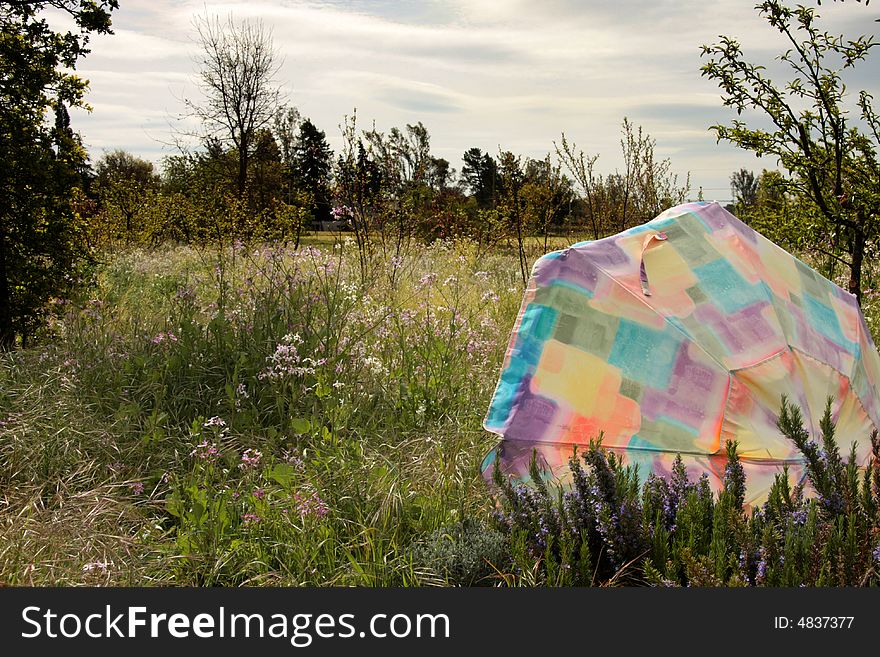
{"x": 607, "y": 530}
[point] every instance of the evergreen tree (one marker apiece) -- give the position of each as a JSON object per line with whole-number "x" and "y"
{"x": 312, "y": 160}
{"x": 480, "y": 176}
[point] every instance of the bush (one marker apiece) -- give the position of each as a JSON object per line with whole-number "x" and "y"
{"x": 463, "y": 554}
{"x": 675, "y": 532}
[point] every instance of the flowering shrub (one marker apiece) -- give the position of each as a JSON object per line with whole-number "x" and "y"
{"x": 675, "y": 532}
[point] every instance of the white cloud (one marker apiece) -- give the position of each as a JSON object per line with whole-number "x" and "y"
{"x": 487, "y": 73}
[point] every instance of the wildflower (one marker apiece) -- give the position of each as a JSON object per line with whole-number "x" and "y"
{"x": 292, "y": 338}
{"x": 103, "y": 566}
{"x": 136, "y": 487}
{"x": 762, "y": 567}
{"x": 185, "y": 294}
{"x": 426, "y": 280}
{"x": 251, "y": 518}
{"x": 341, "y": 212}
{"x": 375, "y": 365}
{"x": 250, "y": 458}
{"x": 206, "y": 451}
{"x": 164, "y": 337}
{"x": 215, "y": 421}
{"x": 287, "y": 361}
{"x": 293, "y": 459}
{"x": 259, "y": 493}
{"x": 311, "y": 505}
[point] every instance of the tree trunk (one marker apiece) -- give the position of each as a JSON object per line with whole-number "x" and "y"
{"x": 242, "y": 168}
{"x": 7, "y": 333}
{"x": 855, "y": 270}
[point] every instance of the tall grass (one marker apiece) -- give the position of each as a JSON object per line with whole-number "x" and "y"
{"x": 257, "y": 415}
{"x": 252, "y": 415}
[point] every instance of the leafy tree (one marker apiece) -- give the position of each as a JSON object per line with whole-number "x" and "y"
{"x": 358, "y": 191}
{"x": 440, "y": 174}
{"x": 406, "y": 167}
{"x": 285, "y": 128}
{"x": 512, "y": 204}
{"x": 41, "y": 163}
{"x": 832, "y": 158}
{"x": 266, "y": 171}
{"x": 548, "y": 196}
{"x": 125, "y": 184}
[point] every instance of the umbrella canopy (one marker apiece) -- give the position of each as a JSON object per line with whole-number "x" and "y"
{"x": 674, "y": 337}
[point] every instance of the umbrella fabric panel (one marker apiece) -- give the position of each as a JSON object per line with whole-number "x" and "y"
{"x": 865, "y": 375}
{"x": 575, "y": 368}
{"x": 675, "y": 336}
{"x": 752, "y": 407}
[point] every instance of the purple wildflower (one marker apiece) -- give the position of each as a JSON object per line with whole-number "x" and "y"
{"x": 206, "y": 451}
{"x": 250, "y": 458}
{"x": 310, "y": 505}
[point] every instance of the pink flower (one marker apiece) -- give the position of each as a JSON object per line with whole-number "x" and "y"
{"x": 311, "y": 505}
{"x": 206, "y": 451}
{"x": 250, "y": 458}
{"x": 427, "y": 279}
{"x": 163, "y": 337}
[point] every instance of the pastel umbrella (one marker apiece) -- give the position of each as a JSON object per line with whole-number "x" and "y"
{"x": 674, "y": 337}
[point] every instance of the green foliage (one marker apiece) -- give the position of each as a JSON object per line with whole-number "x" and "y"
{"x": 367, "y": 397}
{"x": 831, "y": 158}
{"x": 125, "y": 186}
{"x": 463, "y": 554}
{"x": 675, "y": 532}
{"x": 311, "y": 165}
{"x": 41, "y": 164}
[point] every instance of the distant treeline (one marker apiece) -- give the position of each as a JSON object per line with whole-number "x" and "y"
{"x": 380, "y": 182}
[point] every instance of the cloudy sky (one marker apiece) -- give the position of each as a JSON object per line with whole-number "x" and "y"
{"x": 513, "y": 74}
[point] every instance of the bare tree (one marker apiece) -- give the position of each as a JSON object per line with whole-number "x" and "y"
{"x": 582, "y": 168}
{"x": 237, "y": 69}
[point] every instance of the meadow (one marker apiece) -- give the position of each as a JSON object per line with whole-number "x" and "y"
{"x": 254, "y": 414}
